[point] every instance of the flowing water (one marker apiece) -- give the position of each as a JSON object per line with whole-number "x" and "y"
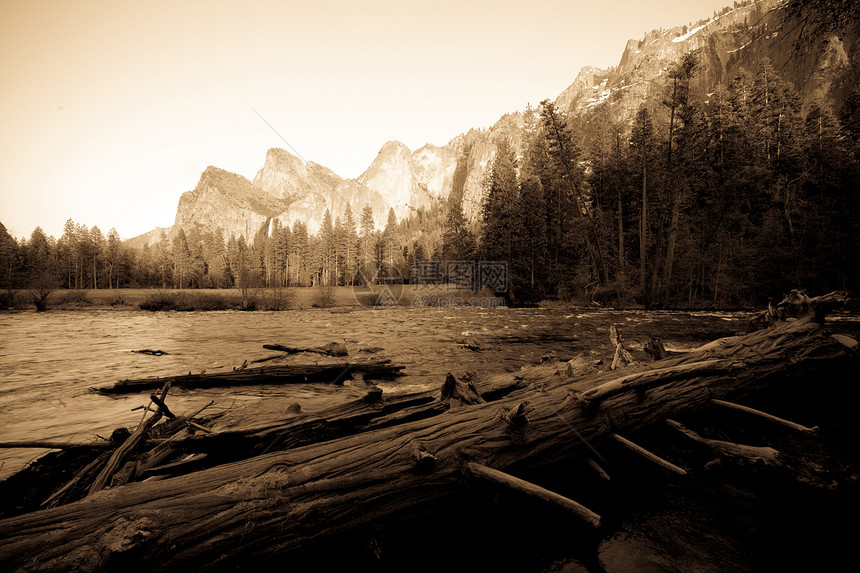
{"x": 49, "y": 361}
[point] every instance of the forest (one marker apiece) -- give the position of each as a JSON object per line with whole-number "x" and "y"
{"x": 720, "y": 202}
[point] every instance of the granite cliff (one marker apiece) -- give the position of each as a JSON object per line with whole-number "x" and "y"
{"x": 290, "y": 189}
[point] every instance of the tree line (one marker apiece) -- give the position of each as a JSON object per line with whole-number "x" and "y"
{"x": 277, "y": 256}
{"x": 717, "y": 203}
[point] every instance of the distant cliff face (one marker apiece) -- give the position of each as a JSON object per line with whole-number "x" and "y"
{"x": 286, "y": 176}
{"x": 229, "y": 201}
{"x": 290, "y": 189}
{"x": 741, "y": 37}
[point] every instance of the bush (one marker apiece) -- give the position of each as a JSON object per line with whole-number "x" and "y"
{"x": 162, "y": 301}
{"x": 73, "y": 298}
{"x": 189, "y": 301}
{"x": 324, "y": 297}
{"x": 118, "y": 300}
{"x": 276, "y": 298}
{"x": 209, "y": 301}
{"x": 8, "y": 299}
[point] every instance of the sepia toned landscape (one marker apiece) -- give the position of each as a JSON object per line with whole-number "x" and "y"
{"x": 612, "y": 330}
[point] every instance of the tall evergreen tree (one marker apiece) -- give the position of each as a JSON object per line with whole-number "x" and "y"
{"x": 643, "y": 149}
{"x": 529, "y": 252}
{"x": 498, "y": 206}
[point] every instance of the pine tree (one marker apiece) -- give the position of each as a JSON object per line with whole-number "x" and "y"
{"x": 326, "y": 252}
{"x": 351, "y": 243}
{"x": 390, "y": 239}
{"x": 458, "y": 242}
{"x": 97, "y": 248}
{"x": 366, "y": 232}
{"x": 643, "y": 146}
{"x": 113, "y": 257}
{"x": 301, "y": 254}
{"x": 529, "y": 252}
{"x": 10, "y": 262}
{"x": 181, "y": 255}
{"x": 499, "y": 203}
{"x": 568, "y": 207}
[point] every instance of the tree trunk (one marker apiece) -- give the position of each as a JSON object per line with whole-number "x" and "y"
{"x": 670, "y": 248}
{"x": 643, "y": 230}
{"x": 271, "y": 505}
{"x": 621, "y": 263}
{"x": 273, "y": 374}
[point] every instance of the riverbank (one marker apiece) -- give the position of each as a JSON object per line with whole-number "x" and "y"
{"x": 284, "y": 298}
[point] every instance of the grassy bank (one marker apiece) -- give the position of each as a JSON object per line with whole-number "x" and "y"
{"x": 290, "y": 298}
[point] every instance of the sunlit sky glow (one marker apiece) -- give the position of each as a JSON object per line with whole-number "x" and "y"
{"x": 110, "y": 110}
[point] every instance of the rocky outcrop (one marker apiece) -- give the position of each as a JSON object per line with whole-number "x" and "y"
{"x": 741, "y": 37}
{"x": 391, "y": 175}
{"x": 433, "y": 168}
{"x": 286, "y": 176}
{"x": 229, "y": 201}
{"x": 147, "y": 239}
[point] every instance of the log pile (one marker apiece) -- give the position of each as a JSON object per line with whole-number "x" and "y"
{"x": 380, "y": 458}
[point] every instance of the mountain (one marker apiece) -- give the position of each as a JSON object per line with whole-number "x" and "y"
{"x": 290, "y": 189}
{"x": 286, "y": 176}
{"x": 226, "y": 200}
{"x": 736, "y": 37}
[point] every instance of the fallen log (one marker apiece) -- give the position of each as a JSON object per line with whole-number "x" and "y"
{"x": 265, "y": 508}
{"x": 278, "y": 374}
{"x": 330, "y": 349}
{"x": 151, "y": 352}
{"x": 51, "y": 445}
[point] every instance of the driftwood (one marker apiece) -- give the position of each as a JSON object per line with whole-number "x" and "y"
{"x": 271, "y": 505}
{"x": 798, "y": 304}
{"x": 764, "y": 415}
{"x": 122, "y": 452}
{"x": 330, "y": 349}
{"x": 273, "y": 374}
{"x": 151, "y": 352}
{"x": 50, "y": 445}
{"x": 510, "y": 482}
{"x": 655, "y": 349}
{"x": 740, "y": 453}
{"x": 622, "y": 357}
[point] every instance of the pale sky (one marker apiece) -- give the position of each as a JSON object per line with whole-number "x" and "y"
{"x": 110, "y": 110}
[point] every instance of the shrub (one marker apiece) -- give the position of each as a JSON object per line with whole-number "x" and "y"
{"x": 324, "y": 297}
{"x": 73, "y": 297}
{"x": 188, "y": 301}
{"x": 8, "y": 299}
{"x": 277, "y": 298}
{"x": 162, "y": 301}
{"x": 118, "y": 300}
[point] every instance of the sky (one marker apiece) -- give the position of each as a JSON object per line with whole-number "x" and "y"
{"x": 110, "y": 110}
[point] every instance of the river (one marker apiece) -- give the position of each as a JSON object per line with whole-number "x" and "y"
{"x": 49, "y": 361}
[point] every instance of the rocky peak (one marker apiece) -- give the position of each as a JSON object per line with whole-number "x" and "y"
{"x": 288, "y": 177}
{"x": 391, "y": 175}
{"x": 226, "y": 200}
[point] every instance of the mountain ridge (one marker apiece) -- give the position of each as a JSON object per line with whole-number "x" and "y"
{"x": 289, "y": 189}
